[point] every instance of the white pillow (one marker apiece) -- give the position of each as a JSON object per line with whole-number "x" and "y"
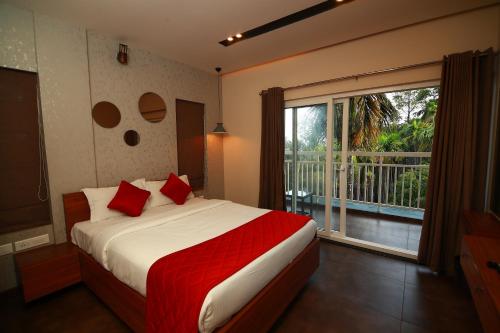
{"x": 99, "y": 198}
{"x": 159, "y": 199}
{"x": 185, "y": 179}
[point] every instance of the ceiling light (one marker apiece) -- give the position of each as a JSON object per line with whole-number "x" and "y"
{"x": 285, "y": 21}
{"x": 219, "y": 129}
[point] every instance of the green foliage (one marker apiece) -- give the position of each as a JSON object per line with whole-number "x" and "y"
{"x": 429, "y": 105}
{"x": 417, "y": 103}
{"x": 390, "y": 141}
{"x": 368, "y": 114}
{"x": 410, "y": 176}
{"x": 418, "y": 135}
{"x": 374, "y": 123}
{"x": 313, "y": 129}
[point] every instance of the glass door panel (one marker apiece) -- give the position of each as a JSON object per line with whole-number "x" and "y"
{"x": 290, "y": 155}
{"x": 389, "y": 144}
{"x": 337, "y": 204}
{"x": 305, "y": 160}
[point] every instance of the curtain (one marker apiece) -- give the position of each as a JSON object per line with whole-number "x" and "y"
{"x": 272, "y": 151}
{"x": 457, "y": 176}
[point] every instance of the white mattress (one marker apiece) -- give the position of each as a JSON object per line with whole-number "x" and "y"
{"x": 128, "y": 246}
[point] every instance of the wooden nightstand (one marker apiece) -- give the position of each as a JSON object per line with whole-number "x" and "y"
{"x": 47, "y": 269}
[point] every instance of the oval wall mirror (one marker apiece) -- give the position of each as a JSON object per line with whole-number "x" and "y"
{"x": 131, "y": 138}
{"x": 106, "y": 114}
{"x": 152, "y": 107}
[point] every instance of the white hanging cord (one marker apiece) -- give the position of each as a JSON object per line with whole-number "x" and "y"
{"x": 41, "y": 154}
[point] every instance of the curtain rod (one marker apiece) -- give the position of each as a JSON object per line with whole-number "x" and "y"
{"x": 381, "y": 71}
{"x": 357, "y": 76}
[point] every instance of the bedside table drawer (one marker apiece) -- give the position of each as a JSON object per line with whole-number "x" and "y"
{"x": 47, "y": 274}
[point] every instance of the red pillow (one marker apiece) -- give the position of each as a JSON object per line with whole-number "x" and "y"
{"x": 129, "y": 199}
{"x": 176, "y": 189}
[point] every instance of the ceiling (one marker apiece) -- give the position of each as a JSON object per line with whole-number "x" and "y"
{"x": 189, "y": 31}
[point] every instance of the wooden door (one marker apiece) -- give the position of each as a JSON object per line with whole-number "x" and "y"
{"x": 191, "y": 141}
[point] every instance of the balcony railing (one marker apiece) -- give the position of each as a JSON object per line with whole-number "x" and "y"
{"x": 391, "y": 179}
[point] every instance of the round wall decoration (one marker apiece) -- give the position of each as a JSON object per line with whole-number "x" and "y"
{"x": 131, "y": 138}
{"x": 106, "y": 114}
{"x": 152, "y": 107}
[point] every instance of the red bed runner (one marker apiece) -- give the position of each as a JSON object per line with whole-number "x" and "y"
{"x": 178, "y": 283}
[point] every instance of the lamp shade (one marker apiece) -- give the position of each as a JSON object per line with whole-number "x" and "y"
{"x": 219, "y": 129}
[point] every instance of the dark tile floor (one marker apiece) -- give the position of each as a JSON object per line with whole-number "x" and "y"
{"x": 375, "y": 228}
{"x": 352, "y": 291}
{"x": 356, "y": 291}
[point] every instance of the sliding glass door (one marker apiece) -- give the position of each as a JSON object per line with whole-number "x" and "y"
{"x": 359, "y": 165}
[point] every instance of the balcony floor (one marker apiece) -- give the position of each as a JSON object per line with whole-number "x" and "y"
{"x": 372, "y": 227}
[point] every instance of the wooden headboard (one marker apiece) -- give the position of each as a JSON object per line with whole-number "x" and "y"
{"x": 76, "y": 209}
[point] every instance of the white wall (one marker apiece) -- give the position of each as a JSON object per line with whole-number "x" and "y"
{"x": 415, "y": 44}
{"x": 77, "y": 69}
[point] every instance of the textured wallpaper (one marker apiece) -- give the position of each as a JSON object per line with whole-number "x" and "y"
{"x": 17, "y": 40}
{"x": 156, "y": 154}
{"x": 65, "y": 97}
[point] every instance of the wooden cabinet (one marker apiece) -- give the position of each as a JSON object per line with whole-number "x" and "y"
{"x": 484, "y": 282}
{"x": 480, "y": 224}
{"x": 478, "y": 247}
{"x": 47, "y": 269}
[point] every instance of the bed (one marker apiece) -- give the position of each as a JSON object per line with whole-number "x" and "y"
{"x": 249, "y": 301}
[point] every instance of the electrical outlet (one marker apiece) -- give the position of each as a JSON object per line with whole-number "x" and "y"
{"x": 5, "y": 249}
{"x": 31, "y": 242}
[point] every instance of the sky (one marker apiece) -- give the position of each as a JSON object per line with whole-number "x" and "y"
{"x": 303, "y": 115}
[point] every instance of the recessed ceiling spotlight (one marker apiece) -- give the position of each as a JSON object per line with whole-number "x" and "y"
{"x": 284, "y": 21}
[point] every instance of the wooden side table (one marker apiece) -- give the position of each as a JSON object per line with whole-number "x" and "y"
{"x": 47, "y": 269}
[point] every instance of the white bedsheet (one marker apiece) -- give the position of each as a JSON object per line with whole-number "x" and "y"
{"x": 128, "y": 247}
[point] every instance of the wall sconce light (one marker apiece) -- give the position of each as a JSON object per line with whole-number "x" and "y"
{"x": 122, "y": 56}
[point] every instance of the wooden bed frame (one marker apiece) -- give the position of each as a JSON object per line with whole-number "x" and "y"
{"x": 130, "y": 306}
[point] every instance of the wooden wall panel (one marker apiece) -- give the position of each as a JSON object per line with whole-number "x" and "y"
{"x": 191, "y": 141}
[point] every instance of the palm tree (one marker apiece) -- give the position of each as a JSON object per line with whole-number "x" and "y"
{"x": 390, "y": 141}
{"x": 418, "y": 135}
{"x": 429, "y": 101}
{"x": 368, "y": 115}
